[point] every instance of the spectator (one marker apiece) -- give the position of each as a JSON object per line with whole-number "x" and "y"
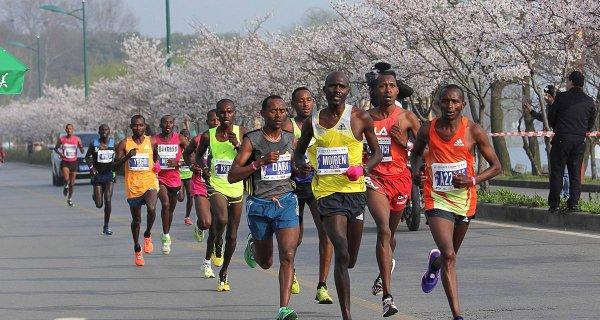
{"x": 549, "y": 96}
{"x": 30, "y": 150}
{"x": 2, "y": 154}
{"x": 571, "y": 115}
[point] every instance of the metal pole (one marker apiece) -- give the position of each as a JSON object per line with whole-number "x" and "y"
{"x": 168, "y": 13}
{"x": 38, "y": 66}
{"x": 85, "y": 73}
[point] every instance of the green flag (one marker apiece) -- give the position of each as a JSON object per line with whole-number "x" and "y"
{"x": 12, "y": 73}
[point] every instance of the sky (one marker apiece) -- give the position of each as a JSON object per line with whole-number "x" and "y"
{"x": 220, "y": 15}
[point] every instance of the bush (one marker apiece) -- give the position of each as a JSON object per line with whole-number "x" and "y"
{"x": 511, "y": 198}
{"x": 38, "y": 157}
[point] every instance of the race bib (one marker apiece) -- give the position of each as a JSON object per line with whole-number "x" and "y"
{"x": 222, "y": 167}
{"x": 442, "y": 174}
{"x": 139, "y": 162}
{"x": 280, "y": 170}
{"x": 182, "y": 166}
{"x": 167, "y": 152}
{"x": 385, "y": 144}
{"x": 70, "y": 151}
{"x": 106, "y": 156}
{"x": 332, "y": 160}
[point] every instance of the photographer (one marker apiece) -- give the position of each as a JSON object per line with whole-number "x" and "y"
{"x": 571, "y": 115}
{"x": 549, "y": 96}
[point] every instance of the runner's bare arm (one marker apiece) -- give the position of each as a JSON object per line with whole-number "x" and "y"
{"x": 204, "y": 144}
{"x": 88, "y": 155}
{"x": 302, "y": 145}
{"x": 57, "y": 148}
{"x": 488, "y": 153}
{"x": 80, "y": 145}
{"x": 238, "y": 171}
{"x": 369, "y": 134}
{"x": 120, "y": 156}
{"x": 415, "y": 124}
{"x": 188, "y": 151}
{"x": 417, "y": 152}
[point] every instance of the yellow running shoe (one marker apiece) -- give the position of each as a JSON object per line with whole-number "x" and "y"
{"x": 223, "y": 284}
{"x": 217, "y": 256}
{"x": 295, "y": 289}
{"x": 323, "y": 296}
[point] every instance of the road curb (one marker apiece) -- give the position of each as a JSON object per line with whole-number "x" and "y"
{"x": 498, "y": 212}
{"x": 538, "y": 185}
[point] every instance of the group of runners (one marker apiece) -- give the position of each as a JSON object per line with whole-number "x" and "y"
{"x": 337, "y": 161}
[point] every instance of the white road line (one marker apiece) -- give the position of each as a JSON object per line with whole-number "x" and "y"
{"x": 514, "y": 226}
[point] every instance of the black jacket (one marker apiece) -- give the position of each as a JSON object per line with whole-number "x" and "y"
{"x": 572, "y": 113}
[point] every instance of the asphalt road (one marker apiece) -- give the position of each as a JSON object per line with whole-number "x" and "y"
{"x": 55, "y": 264}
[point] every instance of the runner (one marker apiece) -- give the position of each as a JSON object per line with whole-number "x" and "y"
{"x": 2, "y": 154}
{"x": 449, "y": 192}
{"x": 168, "y": 146}
{"x": 390, "y": 182}
{"x": 338, "y": 184}
{"x": 185, "y": 174}
{"x": 99, "y": 157}
{"x": 225, "y": 198}
{"x": 198, "y": 187}
{"x": 141, "y": 184}
{"x": 66, "y": 147}
{"x": 265, "y": 162}
{"x": 303, "y": 103}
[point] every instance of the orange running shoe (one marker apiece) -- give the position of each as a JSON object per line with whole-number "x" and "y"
{"x": 148, "y": 246}
{"x": 138, "y": 259}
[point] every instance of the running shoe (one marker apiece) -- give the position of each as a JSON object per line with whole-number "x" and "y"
{"x": 286, "y": 313}
{"x": 66, "y": 190}
{"x": 166, "y": 243}
{"x": 69, "y": 202}
{"x": 207, "y": 271}
{"x": 295, "y": 288}
{"x": 217, "y": 255}
{"x": 389, "y": 308}
{"x": 148, "y": 246}
{"x": 106, "y": 231}
{"x": 249, "y": 252}
{"x": 223, "y": 284}
{"x": 138, "y": 259}
{"x": 198, "y": 234}
{"x": 432, "y": 275}
{"x": 187, "y": 221}
{"x": 377, "y": 288}
{"x": 323, "y": 296}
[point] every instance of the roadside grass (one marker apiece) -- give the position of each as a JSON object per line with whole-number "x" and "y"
{"x": 511, "y": 198}
{"x": 38, "y": 157}
{"x": 540, "y": 178}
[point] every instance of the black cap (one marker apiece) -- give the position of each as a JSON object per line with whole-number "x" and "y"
{"x": 577, "y": 78}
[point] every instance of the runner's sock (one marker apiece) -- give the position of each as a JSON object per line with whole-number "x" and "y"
{"x": 321, "y": 284}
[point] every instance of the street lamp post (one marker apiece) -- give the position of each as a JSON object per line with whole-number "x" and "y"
{"x": 37, "y": 51}
{"x": 168, "y": 13}
{"x": 57, "y": 9}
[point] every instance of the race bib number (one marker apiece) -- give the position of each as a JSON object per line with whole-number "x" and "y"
{"x": 70, "y": 151}
{"x": 222, "y": 167}
{"x": 443, "y": 173}
{"x": 139, "y": 162}
{"x": 280, "y": 170}
{"x": 106, "y": 156}
{"x": 385, "y": 144}
{"x": 167, "y": 152}
{"x": 332, "y": 160}
{"x": 182, "y": 166}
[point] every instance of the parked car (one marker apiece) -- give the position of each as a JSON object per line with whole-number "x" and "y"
{"x": 83, "y": 170}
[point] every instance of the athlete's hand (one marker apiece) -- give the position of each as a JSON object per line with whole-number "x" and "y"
{"x": 270, "y": 157}
{"x": 461, "y": 181}
{"x": 181, "y": 194}
{"x": 233, "y": 139}
{"x": 419, "y": 179}
{"x": 171, "y": 163}
{"x": 398, "y": 135}
{"x": 206, "y": 173}
{"x": 93, "y": 171}
{"x": 305, "y": 169}
{"x": 132, "y": 153}
{"x": 196, "y": 168}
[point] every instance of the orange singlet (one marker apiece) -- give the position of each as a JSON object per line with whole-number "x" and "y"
{"x": 139, "y": 176}
{"x": 443, "y": 161}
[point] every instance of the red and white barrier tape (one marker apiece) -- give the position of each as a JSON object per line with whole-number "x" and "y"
{"x": 534, "y": 134}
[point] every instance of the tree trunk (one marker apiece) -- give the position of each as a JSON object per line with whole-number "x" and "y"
{"x": 532, "y": 147}
{"x": 497, "y": 125}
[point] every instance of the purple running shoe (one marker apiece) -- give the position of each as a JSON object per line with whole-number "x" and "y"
{"x": 431, "y": 276}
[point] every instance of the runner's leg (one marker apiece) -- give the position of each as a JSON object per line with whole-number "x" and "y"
{"x": 380, "y": 210}
{"x": 108, "y": 192}
{"x": 336, "y": 226}
{"x": 234, "y": 213}
{"x": 287, "y": 240}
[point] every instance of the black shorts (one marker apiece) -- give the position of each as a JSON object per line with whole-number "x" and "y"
{"x": 172, "y": 191}
{"x": 304, "y": 193}
{"x": 102, "y": 178}
{"x": 352, "y": 205}
{"x": 71, "y": 165}
{"x": 456, "y": 218}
